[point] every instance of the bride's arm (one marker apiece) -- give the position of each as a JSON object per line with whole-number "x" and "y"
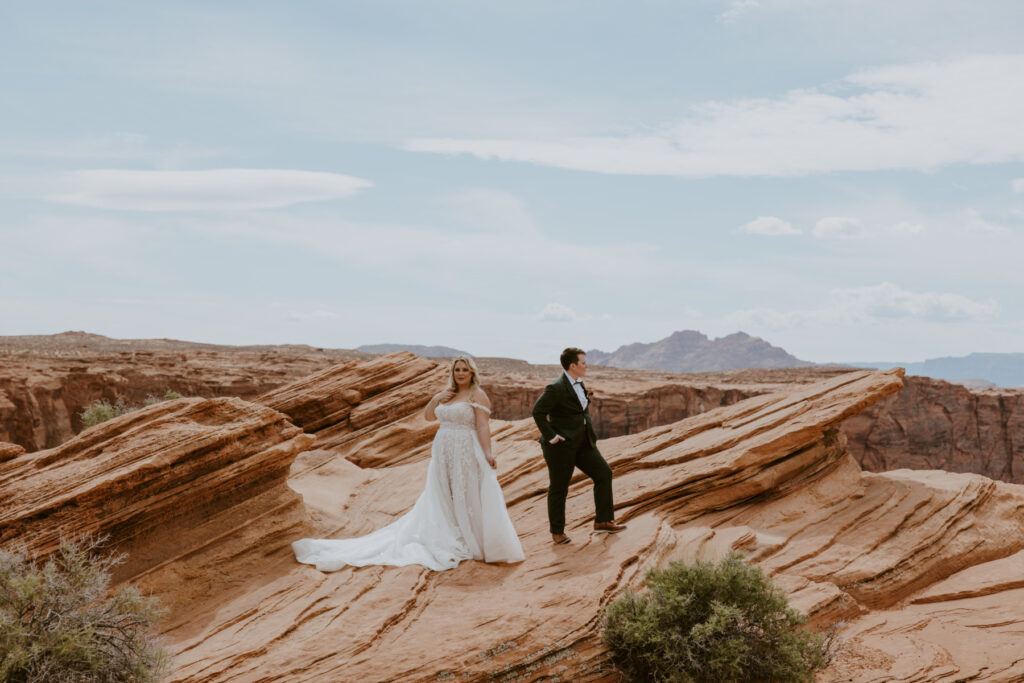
{"x": 482, "y": 409}
{"x": 439, "y": 397}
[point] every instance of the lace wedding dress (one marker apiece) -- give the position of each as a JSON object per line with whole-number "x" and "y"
{"x": 461, "y": 513}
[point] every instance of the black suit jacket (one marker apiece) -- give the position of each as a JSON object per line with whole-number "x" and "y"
{"x": 558, "y": 411}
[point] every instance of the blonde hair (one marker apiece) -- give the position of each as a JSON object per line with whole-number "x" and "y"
{"x": 474, "y": 380}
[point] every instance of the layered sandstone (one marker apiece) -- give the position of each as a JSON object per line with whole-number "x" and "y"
{"x": 47, "y": 381}
{"x": 919, "y": 566}
{"x": 769, "y": 476}
{"x": 933, "y": 424}
{"x": 159, "y": 481}
{"x": 910, "y": 561}
{"x": 10, "y": 450}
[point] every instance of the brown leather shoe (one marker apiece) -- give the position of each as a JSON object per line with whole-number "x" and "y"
{"x": 559, "y": 539}
{"x": 608, "y": 527}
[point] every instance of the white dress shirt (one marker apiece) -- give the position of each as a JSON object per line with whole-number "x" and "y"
{"x": 579, "y": 390}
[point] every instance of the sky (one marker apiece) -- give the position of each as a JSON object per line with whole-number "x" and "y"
{"x": 843, "y": 178}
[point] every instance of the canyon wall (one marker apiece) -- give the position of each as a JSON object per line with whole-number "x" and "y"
{"x": 933, "y": 424}
{"x": 46, "y": 383}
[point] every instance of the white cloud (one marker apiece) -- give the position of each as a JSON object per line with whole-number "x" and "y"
{"x": 557, "y": 313}
{"x": 838, "y": 227}
{"x": 889, "y": 301}
{"x": 737, "y": 8}
{"x": 769, "y": 225}
{"x": 1018, "y": 184}
{"x": 917, "y": 116}
{"x": 519, "y": 256}
{"x": 488, "y": 210}
{"x": 208, "y": 190}
{"x": 872, "y": 304}
{"x": 974, "y": 222}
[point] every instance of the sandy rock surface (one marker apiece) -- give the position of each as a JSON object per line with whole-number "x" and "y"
{"x": 921, "y": 567}
{"x": 159, "y": 481}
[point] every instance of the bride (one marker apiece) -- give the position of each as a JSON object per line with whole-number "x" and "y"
{"x": 461, "y": 513}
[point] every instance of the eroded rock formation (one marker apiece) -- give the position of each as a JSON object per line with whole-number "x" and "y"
{"x": 933, "y": 424}
{"x": 159, "y": 481}
{"x": 921, "y": 566}
{"x": 46, "y": 381}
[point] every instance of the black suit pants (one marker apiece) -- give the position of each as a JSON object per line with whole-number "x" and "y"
{"x": 562, "y": 460}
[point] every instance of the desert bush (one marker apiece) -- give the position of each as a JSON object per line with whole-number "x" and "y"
{"x": 102, "y": 410}
{"x": 58, "y": 621}
{"x": 712, "y": 622}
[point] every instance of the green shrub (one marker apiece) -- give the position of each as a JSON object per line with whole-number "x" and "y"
{"x": 102, "y": 410}
{"x": 58, "y": 623}
{"x": 712, "y": 622}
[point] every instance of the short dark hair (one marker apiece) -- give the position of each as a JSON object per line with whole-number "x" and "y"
{"x": 571, "y": 355}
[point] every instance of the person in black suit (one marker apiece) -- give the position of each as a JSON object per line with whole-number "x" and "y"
{"x": 568, "y": 441}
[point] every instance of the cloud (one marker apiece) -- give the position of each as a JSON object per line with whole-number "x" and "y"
{"x": 872, "y": 304}
{"x": 488, "y": 210}
{"x": 737, "y": 8}
{"x": 907, "y": 116}
{"x": 1018, "y": 185}
{"x": 209, "y": 190}
{"x": 838, "y": 227}
{"x": 557, "y": 313}
{"x": 974, "y": 222}
{"x": 889, "y": 301}
{"x": 769, "y": 225}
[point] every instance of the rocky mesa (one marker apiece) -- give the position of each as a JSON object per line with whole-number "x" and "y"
{"x": 921, "y": 567}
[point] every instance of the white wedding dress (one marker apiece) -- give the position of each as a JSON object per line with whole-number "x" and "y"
{"x": 461, "y": 513}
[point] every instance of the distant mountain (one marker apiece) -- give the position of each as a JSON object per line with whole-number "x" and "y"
{"x": 1002, "y": 369}
{"x": 418, "y": 349}
{"x": 691, "y": 351}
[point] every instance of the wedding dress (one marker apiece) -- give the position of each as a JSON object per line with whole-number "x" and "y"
{"x": 461, "y": 513}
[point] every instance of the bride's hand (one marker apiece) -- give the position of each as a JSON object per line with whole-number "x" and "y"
{"x": 446, "y": 396}
{"x": 492, "y": 462}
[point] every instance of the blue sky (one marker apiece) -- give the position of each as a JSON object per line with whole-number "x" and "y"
{"x": 841, "y": 177}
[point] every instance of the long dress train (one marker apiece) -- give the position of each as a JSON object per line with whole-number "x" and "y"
{"x": 461, "y": 513}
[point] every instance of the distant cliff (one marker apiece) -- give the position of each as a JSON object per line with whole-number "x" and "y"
{"x": 933, "y": 424}
{"x": 692, "y": 351}
{"x": 1003, "y": 369}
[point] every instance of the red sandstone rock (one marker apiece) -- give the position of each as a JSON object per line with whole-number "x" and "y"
{"x": 920, "y": 565}
{"x": 10, "y": 450}
{"x": 527, "y": 621}
{"x": 46, "y": 381}
{"x": 158, "y": 481}
{"x": 934, "y": 424}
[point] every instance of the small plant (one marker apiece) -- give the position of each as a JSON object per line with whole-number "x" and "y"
{"x": 58, "y": 623}
{"x": 102, "y": 410}
{"x": 712, "y": 622}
